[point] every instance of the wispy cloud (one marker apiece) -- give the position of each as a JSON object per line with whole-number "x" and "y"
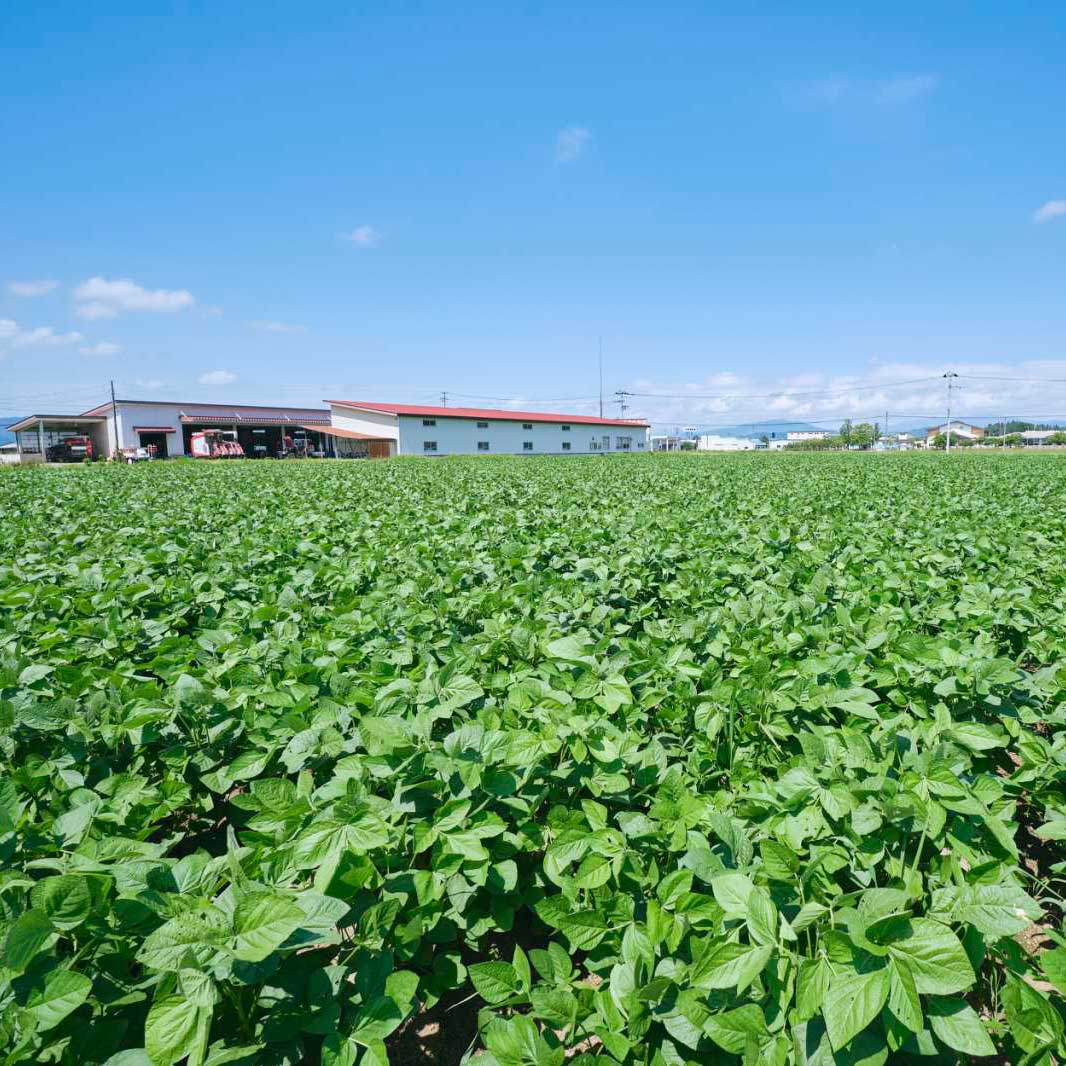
{"x": 837, "y": 90}
{"x": 31, "y": 288}
{"x": 217, "y": 377}
{"x": 909, "y": 392}
{"x": 1052, "y": 209}
{"x": 13, "y": 336}
{"x": 363, "y": 236}
{"x": 906, "y": 88}
{"x": 103, "y": 348}
{"x": 570, "y": 143}
{"x": 268, "y": 326}
{"x": 824, "y": 91}
{"x": 100, "y": 298}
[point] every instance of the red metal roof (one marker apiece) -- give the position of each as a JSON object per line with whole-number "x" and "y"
{"x": 154, "y": 429}
{"x": 490, "y": 414}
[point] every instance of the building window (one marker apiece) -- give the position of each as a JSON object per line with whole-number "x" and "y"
{"x": 566, "y": 446}
{"x": 623, "y": 443}
{"x": 482, "y": 445}
{"x": 429, "y": 445}
{"x": 429, "y": 421}
{"x": 527, "y": 425}
{"x": 527, "y": 446}
{"x": 606, "y": 442}
{"x": 594, "y": 445}
{"x": 566, "y": 429}
{"x": 482, "y": 425}
{"x": 640, "y": 444}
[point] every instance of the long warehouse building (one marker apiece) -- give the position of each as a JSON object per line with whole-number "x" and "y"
{"x": 344, "y": 429}
{"x": 413, "y": 429}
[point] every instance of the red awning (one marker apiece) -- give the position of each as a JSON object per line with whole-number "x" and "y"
{"x": 154, "y": 429}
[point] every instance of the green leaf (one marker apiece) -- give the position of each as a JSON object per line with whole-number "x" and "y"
{"x": 903, "y": 999}
{"x": 957, "y": 1025}
{"x": 729, "y": 966}
{"x": 812, "y": 983}
{"x": 170, "y": 1031}
{"x": 494, "y": 981}
{"x": 28, "y": 934}
{"x": 762, "y": 917}
{"x": 935, "y": 957}
{"x": 64, "y": 899}
{"x": 262, "y": 922}
{"x": 732, "y": 1029}
{"x": 852, "y": 1003}
{"x": 997, "y": 910}
{"x": 64, "y": 991}
{"x": 731, "y": 891}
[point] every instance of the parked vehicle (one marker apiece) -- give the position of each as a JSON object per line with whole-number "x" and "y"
{"x": 70, "y": 450}
{"x": 215, "y": 444}
{"x": 136, "y": 455}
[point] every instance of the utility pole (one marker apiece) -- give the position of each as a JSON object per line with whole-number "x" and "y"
{"x": 601, "y": 375}
{"x": 444, "y": 399}
{"x": 114, "y": 418}
{"x": 950, "y": 377}
{"x": 622, "y": 405}
{"x": 885, "y": 434}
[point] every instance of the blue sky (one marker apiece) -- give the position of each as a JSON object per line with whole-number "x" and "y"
{"x": 382, "y": 201}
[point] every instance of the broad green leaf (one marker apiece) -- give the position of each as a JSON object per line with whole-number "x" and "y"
{"x": 63, "y": 992}
{"x": 494, "y": 981}
{"x": 852, "y": 1003}
{"x": 28, "y": 935}
{"x": 170, "y": 1030}
{"x": 934, "y": 956}
{"x": 957, "y": 1025}
{"x": 262, "y": 922}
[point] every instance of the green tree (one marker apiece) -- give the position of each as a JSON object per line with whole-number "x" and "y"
{"x": 863, "y": 435}
{"x": 845, "y": 432}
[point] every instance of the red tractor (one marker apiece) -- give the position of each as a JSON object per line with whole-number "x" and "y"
{"x": 215, "y": 444}
{"x": 70, "y": 450}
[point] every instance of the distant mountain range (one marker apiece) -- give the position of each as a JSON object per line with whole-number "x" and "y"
{"x": 7, "y": 437}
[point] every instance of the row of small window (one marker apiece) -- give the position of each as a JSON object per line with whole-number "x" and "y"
{"x": 623, "y": 444}
{"x": 485, "y": 425}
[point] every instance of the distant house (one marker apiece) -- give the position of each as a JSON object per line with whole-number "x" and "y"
{"x": 795, "y": 435}
{"x": 958, "y": 429}
{"x": 713, "y": 442}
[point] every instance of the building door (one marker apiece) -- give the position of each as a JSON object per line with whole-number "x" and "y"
{"x": 156, "y": 440}
{"x": 379, "y": 449}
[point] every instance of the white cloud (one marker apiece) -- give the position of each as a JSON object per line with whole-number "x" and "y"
{"x": 100, "y": 298}
{"x": 103, "y": 348}
{"x": 364, "y": 236}
{"x": 14, "y": 336}
{"x": 911, "y": 393}
{"x": 268, "y": 326}
{"x": 838, "y": 90}
{"x": 823, "y": 91}
{"x": 1052, "y": 209}
{"x": 906, "y": 88}
{"x": 217, "y": 377}
{"x": 570, "y": 143}
{"x": 31, "y": 288}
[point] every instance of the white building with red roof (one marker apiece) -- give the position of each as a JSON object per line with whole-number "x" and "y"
{"x": 416, "y": 429}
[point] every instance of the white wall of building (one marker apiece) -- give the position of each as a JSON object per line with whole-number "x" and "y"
{"x": 461, "y": 436}
{"x": 713, "y": 442}
{"x": 160, "y": 415}
{"x": 372, "y": 423}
